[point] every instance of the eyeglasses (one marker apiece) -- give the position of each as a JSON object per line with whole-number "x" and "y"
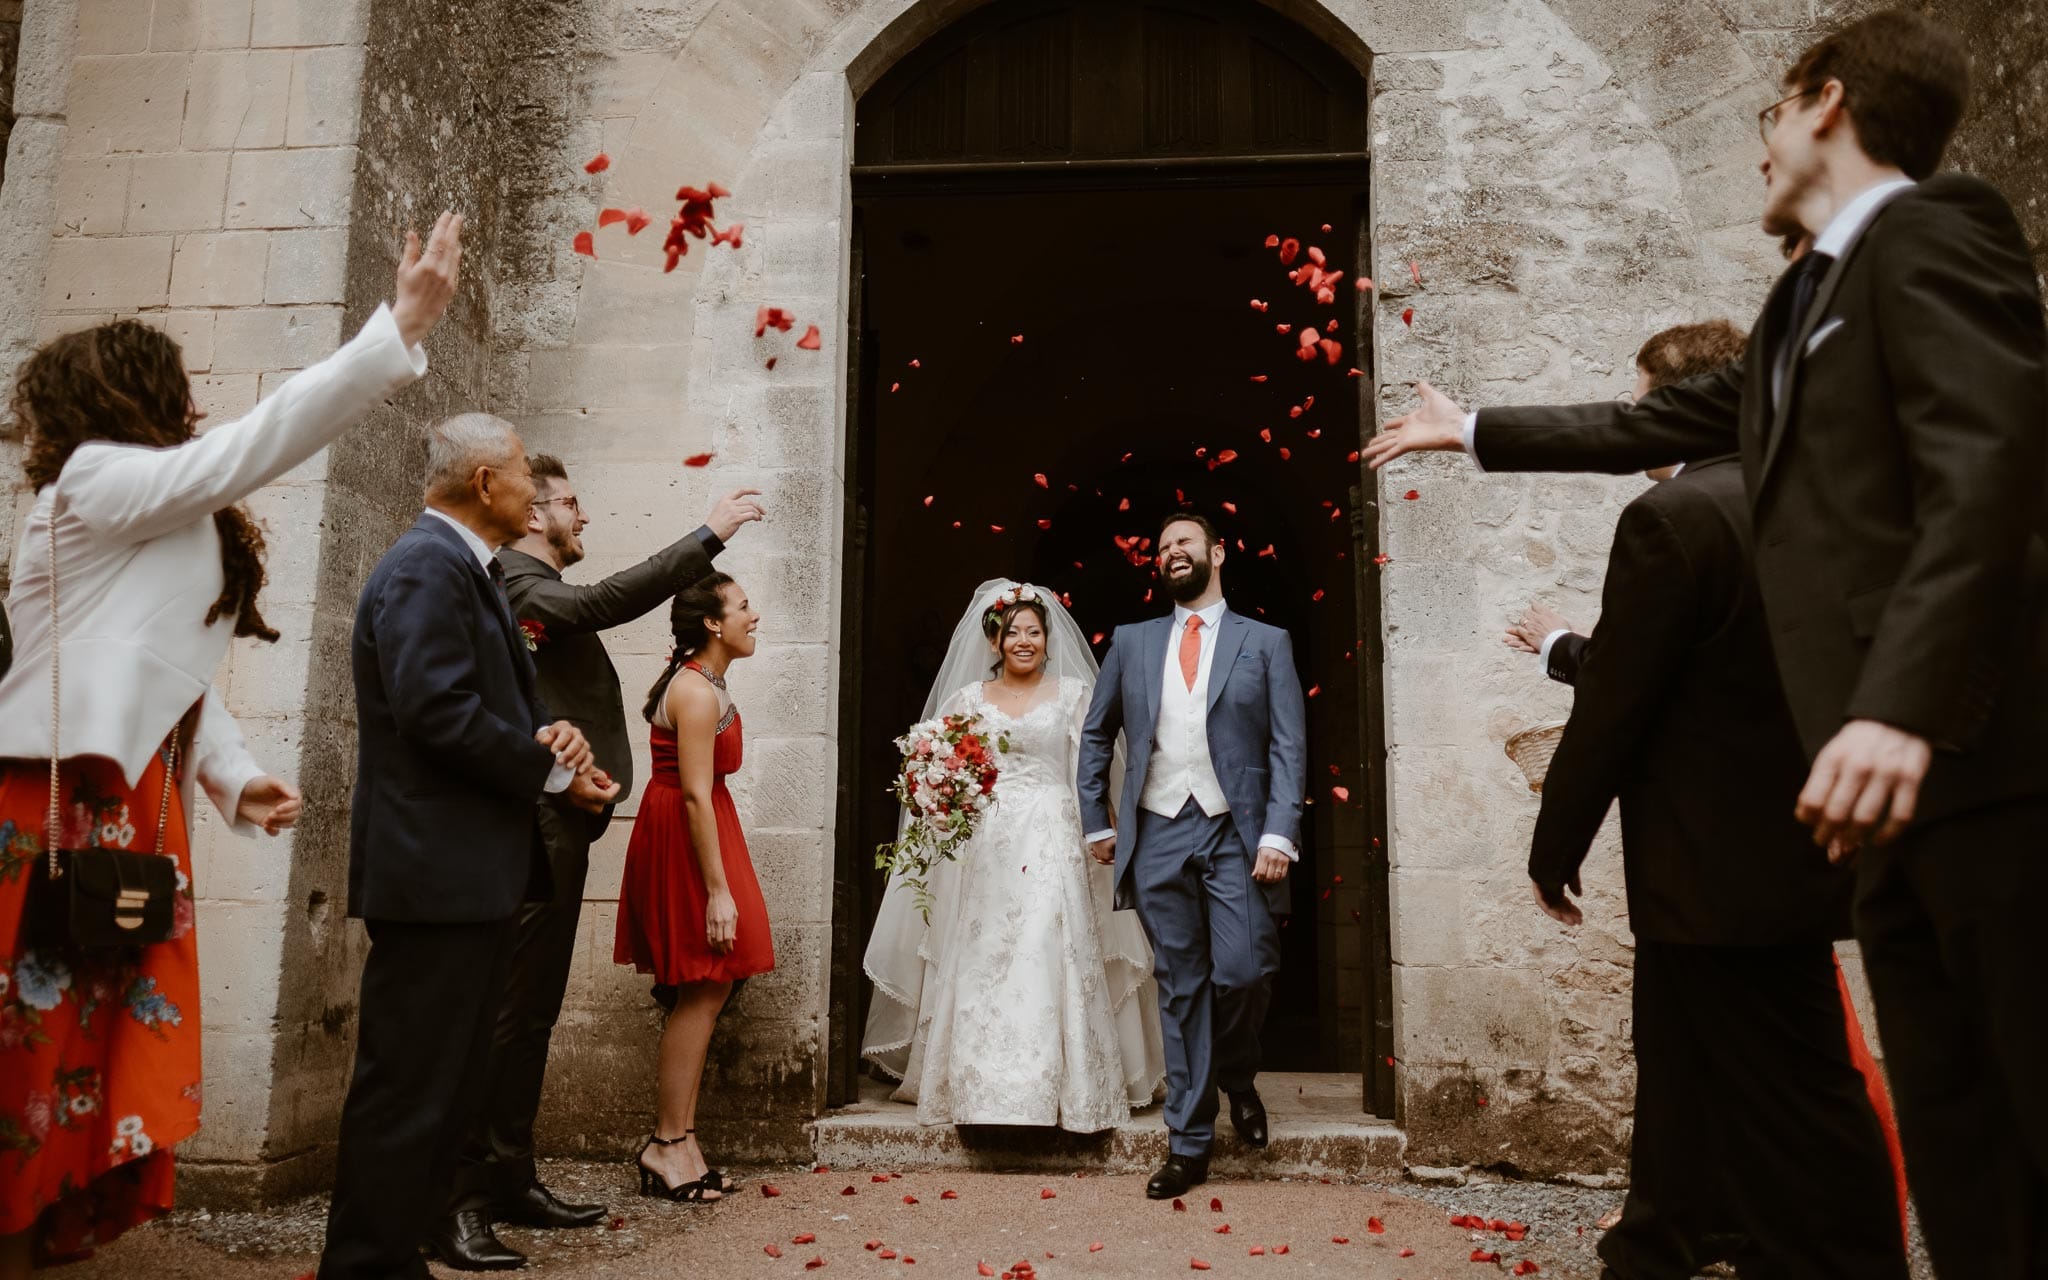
{"x": 569, "y": 501}
{"x": 1767, "y": 119}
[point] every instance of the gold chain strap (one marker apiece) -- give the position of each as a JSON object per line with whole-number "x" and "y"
{"x": 55, "y": 824}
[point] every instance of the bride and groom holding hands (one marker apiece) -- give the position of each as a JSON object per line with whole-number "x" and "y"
{"x": 1031, "y": 996}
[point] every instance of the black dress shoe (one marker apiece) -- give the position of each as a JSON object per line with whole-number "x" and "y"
{"x": 1177, "y": 1176}
{"x": 538, "y": 1207}
{"x": 1248, "y": 1117}
{"x": 465, "y": 1242}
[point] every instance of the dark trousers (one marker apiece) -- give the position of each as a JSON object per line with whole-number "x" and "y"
{"x": 1949, "y": 916}
{"x": 429, "y": 1003}
{"x": 1752, "y": 1119}
{"x": 1215, "y": 948}
{"x": 497, "y": 1161}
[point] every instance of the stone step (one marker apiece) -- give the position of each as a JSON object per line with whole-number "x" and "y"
{"x": 1318, "y": 1123}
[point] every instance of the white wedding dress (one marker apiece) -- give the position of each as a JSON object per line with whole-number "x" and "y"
{"x": 1027, "y": 1000}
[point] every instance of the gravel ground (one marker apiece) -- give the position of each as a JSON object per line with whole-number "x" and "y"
{"x": 997, "y": 1218}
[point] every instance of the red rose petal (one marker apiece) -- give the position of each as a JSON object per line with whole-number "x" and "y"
{"x": 1196, "y": 1264}
{"x": 1039, "y": 478}
{"x": 636, "y": 220}
{"x": 769, "y": 1191}
{"x": 606, "y": 217}
{"x": 1289, "y": 248}
{"x": 949, "y": 1195}
{"x": 817, "y": 1168}
{"x": 1281, "y": 1248}
{"x": 585, "y": 244}
{"x": 1016, "y": 339}
{"x": 1481, "y": 1255}
{"x": 698, "y": 460}
{"x": 769, "y": 363}
{"x": 1408, "y": 316}
{"x": 772, "y": 1250}
{"x": 814, "y": 1264}
{"x": 894, "y": 387}
{"x": 1258, "y": 377}
{"x": 1340, "y": 1239}
{"x": 1333, "y": 351}
{"x": 1179, "y": 1205}
{"x": 810, "y": 341}
{"x": 872, "y": 1245}
{"x": 1045, "y": 524}
{"x": 1096, "y": 1247}
{"x": 1405, "y": 1253}
{"x": 982, "y": 1268}
{"x": 1272, "y": 241}
{"x": 1383, "y": 558}
{"x": 910, "y": 1199}
{"x": 1223, "y": 1230}
{"x": 1258, "y": 305}
{"x": 1283, "y": 328}
{"x": 1525, "y": 1268}
{"x": 886, "y": 1253}
{"x": 1046, "y": 1193}
{"x": 808, "y": 1237}
{"x": 1285, "y": 453}
{"x": 1314, "y": 689}
{"x": 597, "y": 163}
{"x": 1372, "y": 1225}
{"x": 1230, "y": 507}
{"x": 1415, "y": 270}
{"x": 1363, "y": 283}
{"x": 848, "y": 1191}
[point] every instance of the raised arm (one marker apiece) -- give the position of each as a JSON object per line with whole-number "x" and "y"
{"x": 1105, "y": 719}
{"x": 431, "y": 678}
{"x": 566, "y": 608}
{"x": 127, "y": 493}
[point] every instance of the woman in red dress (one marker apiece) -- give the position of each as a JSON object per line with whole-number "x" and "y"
{"x": 690, "y": 909}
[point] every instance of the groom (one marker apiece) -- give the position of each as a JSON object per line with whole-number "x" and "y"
{"x": 1216, "y": 739}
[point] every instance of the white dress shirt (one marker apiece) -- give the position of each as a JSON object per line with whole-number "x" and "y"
{"x": 1543, "y": 654}
{"x": 559, "y": 775}
{"x": 1835, "y": 239}
{"x": 1197, "y": 775}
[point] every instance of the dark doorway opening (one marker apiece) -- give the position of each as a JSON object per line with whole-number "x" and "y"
{"x": 1132, "y": 393}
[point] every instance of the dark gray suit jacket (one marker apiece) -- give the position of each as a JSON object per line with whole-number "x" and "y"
{"x": 577, "y": 679}
{"x": 1258, "y": 735}
{"x": 1566, "y": 652}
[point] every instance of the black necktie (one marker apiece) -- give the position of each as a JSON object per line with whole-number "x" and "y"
{"x": 1811, "y": 268}
{"x": 496, "y": 573}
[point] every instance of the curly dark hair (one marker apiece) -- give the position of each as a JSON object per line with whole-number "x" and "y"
{"x": 125, "y": 383}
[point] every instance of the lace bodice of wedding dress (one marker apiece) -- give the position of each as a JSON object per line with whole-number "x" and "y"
{"x": 1033, "y": 1002}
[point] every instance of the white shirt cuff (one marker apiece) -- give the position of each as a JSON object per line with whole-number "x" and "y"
{"x": 1271, "y": 841}
{"x": 1094, "y": 836}
{"x": 1543, "y": 654}
{"x": 1472, "y": 438}
{"x": 559, "y": 778}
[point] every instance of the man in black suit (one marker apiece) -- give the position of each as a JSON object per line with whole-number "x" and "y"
{"x": 1890, "y": 418}
{"x": 1679, "y": 715}
{"x": 454, "y": 752}
{"x": 561, "y": 623}
{"x": 1670, "y": 355}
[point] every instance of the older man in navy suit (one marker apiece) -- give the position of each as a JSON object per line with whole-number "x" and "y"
{"x": 1216, "y": 734}
{"x": 454, "y": 752}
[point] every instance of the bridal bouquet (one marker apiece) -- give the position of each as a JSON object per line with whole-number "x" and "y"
{"x": 947, "y": 782}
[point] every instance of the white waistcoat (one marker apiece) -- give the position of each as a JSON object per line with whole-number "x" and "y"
{"x": 1180, "y": 764}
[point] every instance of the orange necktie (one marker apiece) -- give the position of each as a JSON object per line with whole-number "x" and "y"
{"x": 1191, "y": 650}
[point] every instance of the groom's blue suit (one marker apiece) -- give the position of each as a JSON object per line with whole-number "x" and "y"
{"x": 1214, "y": 938}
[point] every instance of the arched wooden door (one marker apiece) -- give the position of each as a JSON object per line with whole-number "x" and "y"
{"x": 1060, "y": 215}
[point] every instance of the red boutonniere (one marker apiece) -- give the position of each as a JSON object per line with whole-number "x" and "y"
{"x": 536, "y": 633}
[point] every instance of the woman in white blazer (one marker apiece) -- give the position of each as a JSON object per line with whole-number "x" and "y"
{"x": 157, "y": 567}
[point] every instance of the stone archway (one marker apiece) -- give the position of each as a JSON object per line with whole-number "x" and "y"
{"x": 1560, "y": 177}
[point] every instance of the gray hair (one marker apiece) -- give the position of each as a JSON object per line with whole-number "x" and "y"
{"x": 457, "y": 446}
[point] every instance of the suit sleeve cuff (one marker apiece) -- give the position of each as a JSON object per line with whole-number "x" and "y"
{"x": 1543, "y": 654}
{"x": 1472, "y": 439}
{"x": 711, "y": 542}
{"x": 1281, "y": 843}
{"x": 559, "y": 778}
{"x": 1094, "y": 836}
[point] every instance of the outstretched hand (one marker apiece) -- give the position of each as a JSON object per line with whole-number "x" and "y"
{"x": 427, "y": 278}
{"x": 270, "y": 803}
{"x": 740, "y": 507}
{"x": 1435, "y": 424}
{"x": 1529, "y": 631}
{"x": 1561, "y": 909}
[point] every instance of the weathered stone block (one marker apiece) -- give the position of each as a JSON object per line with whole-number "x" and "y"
{"x": 191, "y": 330}
{"x": 223, "y": 397}
{"x": 275, "y": 338}
{"x": 310, "y": 22}
{"x": 297, "y": 188}
{"x": 122, "y": 272}
{"x": 1430, "y": 920}
{"x": 238, "y": 99}
{"x": 130, "y": 102}
{"x": 222, "y": 269}
{"x": 326, "y": 95}
{"x": 92, "y": 193}
{"x": 177, "y": 192}
{"x": 305, "y": 266}
{"x": 238, "y": 945}
{"x": 199, "y": 24}
{"x": 113, "y": 26}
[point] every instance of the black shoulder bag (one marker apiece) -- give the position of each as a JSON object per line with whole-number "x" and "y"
{"x": 96, "y": 897}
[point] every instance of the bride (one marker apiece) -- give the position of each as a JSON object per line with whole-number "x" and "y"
{"x": 1026, "y": 1000}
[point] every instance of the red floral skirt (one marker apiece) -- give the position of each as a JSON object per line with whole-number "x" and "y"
{"x": 99, "y": 1049}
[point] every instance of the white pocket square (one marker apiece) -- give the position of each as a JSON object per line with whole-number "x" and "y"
{"x": 1822, "y": 334}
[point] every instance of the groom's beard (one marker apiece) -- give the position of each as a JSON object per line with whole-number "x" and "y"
{"x": 1193, "y": 585}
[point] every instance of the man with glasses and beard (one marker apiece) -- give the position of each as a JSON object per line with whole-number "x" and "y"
{"x": 562, "y": 622}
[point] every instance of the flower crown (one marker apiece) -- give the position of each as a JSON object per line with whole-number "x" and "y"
{"x": 992, "y": 617}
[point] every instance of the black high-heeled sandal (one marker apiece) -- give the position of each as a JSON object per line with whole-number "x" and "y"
{"x": 715, "y": 1179}
{"x": 655, "y": 1186}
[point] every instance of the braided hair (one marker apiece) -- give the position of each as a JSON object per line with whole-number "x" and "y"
{"x": 693, "y": 607}
{"x": 125, "y": 383}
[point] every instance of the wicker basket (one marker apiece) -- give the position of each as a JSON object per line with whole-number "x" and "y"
{"x": 1532, "y": 748}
